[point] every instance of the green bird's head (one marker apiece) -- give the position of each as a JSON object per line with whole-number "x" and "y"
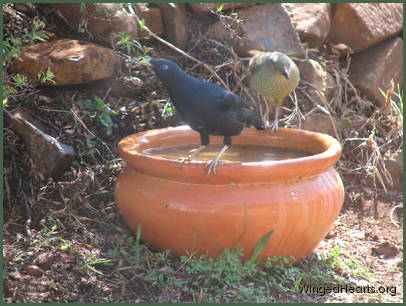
{"x": 274, "y": 62}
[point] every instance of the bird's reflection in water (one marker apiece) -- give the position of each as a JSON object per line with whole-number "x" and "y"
{"x": 236, "y": 153}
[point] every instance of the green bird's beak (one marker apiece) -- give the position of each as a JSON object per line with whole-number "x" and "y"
{"x": 285, "y": 72}
{"x": 145, "y": 62}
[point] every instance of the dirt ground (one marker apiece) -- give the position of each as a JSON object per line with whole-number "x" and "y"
{"x": 66, "y": 242}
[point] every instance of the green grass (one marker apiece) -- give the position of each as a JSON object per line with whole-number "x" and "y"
{"x": 227, "y": 278}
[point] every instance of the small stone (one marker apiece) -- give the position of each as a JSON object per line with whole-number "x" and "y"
{"x": 34, "y": 271}
{"x": 45, "y": 261}
{"x": 386, "y": 250}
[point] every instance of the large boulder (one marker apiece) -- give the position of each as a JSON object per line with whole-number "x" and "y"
{"x": 50, "y": 156}
{"x": 204, "y": 8}
{"x": 71, "y": 61}
{"x": 362, "y": 25}
{"x": 103, "y": 21}
{"x": 376, "y": 67}
{"x": 264, "y": 27}
{"x": 322, "y": 123}
{"x": 175, "y": 17}
{"x": 394, "y": 166}
{"x": 316, "y": 77}
{"x": 311, "y": 20}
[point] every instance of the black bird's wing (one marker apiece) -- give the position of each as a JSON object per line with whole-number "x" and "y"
{"x": 227, "y": 100}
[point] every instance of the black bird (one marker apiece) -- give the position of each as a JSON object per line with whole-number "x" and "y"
{"x": 206, "y": 107}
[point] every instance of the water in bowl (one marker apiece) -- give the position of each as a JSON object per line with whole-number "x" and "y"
{"x": 236, "y": 153}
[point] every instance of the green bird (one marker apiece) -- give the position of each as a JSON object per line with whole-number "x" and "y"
{"x": 273, "y": 75}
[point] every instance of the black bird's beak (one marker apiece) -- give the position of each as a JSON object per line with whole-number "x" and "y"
{"x": 145, "y": 62}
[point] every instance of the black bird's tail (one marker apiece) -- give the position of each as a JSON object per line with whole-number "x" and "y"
{"x": 249, "y": 117}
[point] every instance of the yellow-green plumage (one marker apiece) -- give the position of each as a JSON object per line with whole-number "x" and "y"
{"x": 273, "y": 75}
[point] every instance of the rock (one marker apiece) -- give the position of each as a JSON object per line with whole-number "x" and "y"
{"x": 34, "y": 271}
{"x": 394, "y": 166}
{"x": 386, "y": 250}
{"x": 376, "y": 67}
{"x": 312, "y": 72}
{"x": 362, "y": 25}
{"x": 204, "y": 8}
{"x": 341, "y": 50}
{"x": 264, "y": 27}
{"x": 153, "y": 20}
{"x": 45, "y": 261}
{"x": 26, "y": 8}
{"x": 321, "y": 123}
{"x": 333, "y": 90}
{"x": 311, "y": 20}
{"x": 127, "y": 86}
{"x": 71, "y": 61}
{"x": 49, "y": 155}
{"x": 103, "y": 21}
{"x": 174, "y": 17}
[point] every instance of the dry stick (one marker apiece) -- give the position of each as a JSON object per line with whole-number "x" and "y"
{"x": 237, "y": 62}
{"x": 327, "y": 106}
{"x": 209, "y": 68}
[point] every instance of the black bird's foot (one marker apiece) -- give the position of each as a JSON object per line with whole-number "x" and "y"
{"x": 212, "y": 165}
{"x": 192, "y": 154}
{"x": 185, "y": 159}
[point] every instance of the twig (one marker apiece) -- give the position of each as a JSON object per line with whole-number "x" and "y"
{"x": 208, "y": 67}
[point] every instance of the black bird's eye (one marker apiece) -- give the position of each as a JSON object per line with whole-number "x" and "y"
{"x": 164, "y": 67}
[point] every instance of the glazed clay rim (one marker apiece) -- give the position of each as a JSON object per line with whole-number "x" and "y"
{"x": 325, "y": 150}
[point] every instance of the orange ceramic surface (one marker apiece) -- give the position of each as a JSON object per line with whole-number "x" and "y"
{"x": 181, "y": 208}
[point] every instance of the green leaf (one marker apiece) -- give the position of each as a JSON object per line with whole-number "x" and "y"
{"x": 40, "y": 37}
{"x": 260, "y": 246}
{"x": 219, "y": 8}
{"x": 142, "y": 24}
{"x": 106, "y": 120}
{"x": 99, "y": 261}
{"x": 66, "y": 248}
{"x": 346, "y": 123}
{"x": 91, "y": 143}
{"x": 5, "y": 101}
{"x": 99, "y": 102}
{"x": 89, "y": 105}
{"x": 112, "y": 112}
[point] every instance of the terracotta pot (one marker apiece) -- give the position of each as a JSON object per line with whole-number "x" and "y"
{"x": 181, "y": 208}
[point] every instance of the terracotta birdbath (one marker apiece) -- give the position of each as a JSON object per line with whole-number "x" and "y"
{"x": 183, "y": 209}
